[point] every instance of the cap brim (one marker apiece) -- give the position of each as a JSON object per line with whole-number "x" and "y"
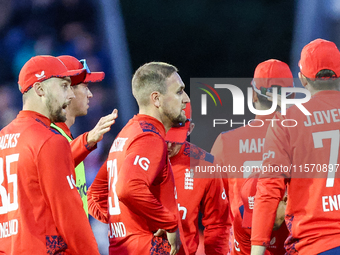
{"x": 77, "y": 76}
{"x": 94, "y": 77}
{"x": 72, "y": 73}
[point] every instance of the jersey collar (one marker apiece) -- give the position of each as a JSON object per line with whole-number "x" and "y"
{"x": 155, "y": 122}
{"x": 34, "y": 115}
{"x": 64, "y": 127}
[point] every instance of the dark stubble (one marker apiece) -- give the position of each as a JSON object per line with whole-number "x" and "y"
{"x": 56, "y": 115}
{"x": 180, "y": 119}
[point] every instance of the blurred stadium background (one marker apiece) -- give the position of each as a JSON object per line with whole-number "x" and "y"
{"x": 203, "y": 38}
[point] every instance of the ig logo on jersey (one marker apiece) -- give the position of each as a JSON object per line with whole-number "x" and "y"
{"x": 143, "y": 162}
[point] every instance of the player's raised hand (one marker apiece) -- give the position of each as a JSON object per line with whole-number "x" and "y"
{"x": 159, "y": 232}
{"x": 103, "y": 126}
{"x": 174, "y": 241}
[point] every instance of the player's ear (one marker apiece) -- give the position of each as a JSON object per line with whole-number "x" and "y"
{"x": 155, "y": 98}
{"x": 255, "y": 98}
{"x": 39, "y": 88}
{"x": 191, "y": 127}
{"x": 303, "y": 79}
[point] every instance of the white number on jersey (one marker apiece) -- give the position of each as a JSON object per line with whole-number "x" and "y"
{"x": 334, "y": 151}
{"x": 9, "y": 201}
{"x": 114, "y": 208}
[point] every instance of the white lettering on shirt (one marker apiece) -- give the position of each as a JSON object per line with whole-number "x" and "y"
{"x": 331, "y": 203}
{"x": 117, "y": 229}
{"x": 9, "y": 228}
{"x": 9, "y": 141}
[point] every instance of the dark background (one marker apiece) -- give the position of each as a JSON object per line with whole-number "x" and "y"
{"x": 209, "y": 38}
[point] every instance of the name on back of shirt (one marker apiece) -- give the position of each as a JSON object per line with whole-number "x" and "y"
{"x": 251, "y": 145}
{"x": 322, "y": 117}
{"x": 9, "y": 141}
{"x": 117, "y": 229}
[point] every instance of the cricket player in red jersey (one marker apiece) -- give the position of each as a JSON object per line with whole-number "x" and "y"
{"x": 242, "y": 225}
{"x": 194, "y": 195}
{"x": 87, "y": 142}
{"x": 243, "y": 147}
{"x": 309, "y": 156}
{"x": 134, "y": 190}
{"x": 40, "y": 209}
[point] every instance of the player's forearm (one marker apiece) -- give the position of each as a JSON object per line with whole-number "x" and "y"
{"x": 80, "y": 149}
{"x": 138, "y": 198}
{"x": 97, "y": 196}
{"x": 268, "y": 195}
{"x": 257, "y": 250}
{"x": 97, "y": 207}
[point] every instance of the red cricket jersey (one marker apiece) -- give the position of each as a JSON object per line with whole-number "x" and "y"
{"x": 205, "y": 195}
{"x": 134, "y": 190}
{"x": 238, "y": 150}
{"x": 312, "y": 213}
{"x": 40, "y": 209}
{"x": 243, "y": 220}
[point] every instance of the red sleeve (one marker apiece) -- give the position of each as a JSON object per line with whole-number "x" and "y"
{"x": 215, "y": 219}
{"x": 268, "y": 195}
{"x": 80, "y": 149}
{"x": 136, "y": 180}
{"x": 55, "y": 166}
{"x": 270, "y": 191}
{"x": 97, "y": 196}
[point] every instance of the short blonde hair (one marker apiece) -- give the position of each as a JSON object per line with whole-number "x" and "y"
{"x": 150, "y": 77}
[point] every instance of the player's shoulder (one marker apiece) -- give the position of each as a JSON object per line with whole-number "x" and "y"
{"x": 149, "y": 138}
{"x": 139, "y": 127}
{"x": 53, "y": 139}
{"x": 236, "y": 132}
{"x": 43, "y": 130}
{"x": 35, "y": 129}
{"x": 197, "y": 153}
{"x": 35, "y": 134}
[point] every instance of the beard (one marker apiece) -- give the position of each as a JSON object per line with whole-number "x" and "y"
{"x": 176, "y": 120}
{"x": 56, "y": 115}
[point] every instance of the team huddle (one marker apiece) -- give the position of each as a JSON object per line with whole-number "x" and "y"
{"x": 146, "y": 191}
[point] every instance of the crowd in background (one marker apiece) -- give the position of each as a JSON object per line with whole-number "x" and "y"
{"x": 55, "y": 27}
{"x": 50, "y": 27}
